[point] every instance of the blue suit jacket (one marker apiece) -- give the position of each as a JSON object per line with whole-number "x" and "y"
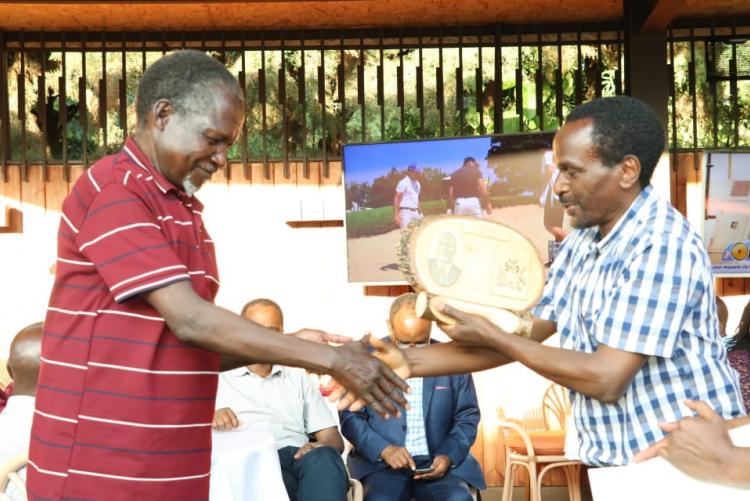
{"x": 451, "y": 414}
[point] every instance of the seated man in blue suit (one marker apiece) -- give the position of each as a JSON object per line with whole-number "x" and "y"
{"x": 435, "y": 434}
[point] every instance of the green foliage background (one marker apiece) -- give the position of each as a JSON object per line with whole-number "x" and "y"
{"x": 319, "y": 128}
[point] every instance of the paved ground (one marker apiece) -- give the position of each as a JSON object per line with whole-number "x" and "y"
{"x": 373, "y": 259}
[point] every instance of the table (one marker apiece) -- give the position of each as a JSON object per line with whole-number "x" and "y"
{"x": 245, "y": 466}
{"x": 656, "y": 479}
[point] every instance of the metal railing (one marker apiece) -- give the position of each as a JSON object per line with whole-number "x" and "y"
{"x": 69, "y": 98}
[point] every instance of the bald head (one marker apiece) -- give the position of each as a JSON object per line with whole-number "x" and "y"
{"x": 264, "y": 312}
{"x": 24, "y": 360}
{"x": 406, "y": 326}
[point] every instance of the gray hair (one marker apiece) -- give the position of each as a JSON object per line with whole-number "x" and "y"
{"x": 186, "y": 78}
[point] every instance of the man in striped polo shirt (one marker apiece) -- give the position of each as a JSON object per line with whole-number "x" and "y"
{"x": 631, "y": 295}
{"x": 132, "y": 344}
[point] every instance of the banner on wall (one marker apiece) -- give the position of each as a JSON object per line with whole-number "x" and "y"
{"x": 726, "y": 220}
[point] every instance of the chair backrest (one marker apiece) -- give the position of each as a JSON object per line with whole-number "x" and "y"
{"x": 356, "y": 492}
{"x": 9, "y": 474}
{"x": 4, "y": 376}
{"x": 555, "y": 407}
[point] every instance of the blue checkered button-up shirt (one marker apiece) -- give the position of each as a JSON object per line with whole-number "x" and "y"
{"x": 416, "y": 439}
{"x": 645, "y": 288}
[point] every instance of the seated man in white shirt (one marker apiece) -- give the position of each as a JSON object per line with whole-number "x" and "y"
{"x": 290, "y": 404}
{"x": 15, "y": 420}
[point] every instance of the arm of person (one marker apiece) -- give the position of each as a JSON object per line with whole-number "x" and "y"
{"x": 314, "y": 335}
{"x": 454, "y": 358}
{"x": 604, "y": 374}
{"x": 644, "y": 309}
{"x": 160, "y": 278}
{"x": 736, "y": 462}
{"x": 736, "y": 422}
{"x": 225, "y": 419}
{"x": 355, "y": 426}
{"x": 327, "y": 437}
{"x": 465, "y": 421}
{"x": 317, "y": 417}
{"x": 701, "y": 447}
{"x": 437, "y": 360}
{"x": 396, "y": 204}
{"x": 370, "y": 444}
{"x": 198, "y": 322}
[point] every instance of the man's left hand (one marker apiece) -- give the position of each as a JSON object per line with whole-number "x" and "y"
{"x": 306, "y": 448}
{"x": 699, "y": 446}
{"x": 440, "y": 466}
{"x": 469, "y": 329}
{"x": 317, "y": 336}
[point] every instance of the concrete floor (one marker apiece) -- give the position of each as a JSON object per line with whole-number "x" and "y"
{"x": 548, "y": 494}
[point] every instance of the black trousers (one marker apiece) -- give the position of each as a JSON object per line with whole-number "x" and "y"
{"x": 319, "y": 475}
{"x": 398, "y": 485}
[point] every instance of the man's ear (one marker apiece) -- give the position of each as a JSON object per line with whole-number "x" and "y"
{"x": 10, "y": 371}
{"x": 631, "y": 171}
{"x": 162, "y": 111}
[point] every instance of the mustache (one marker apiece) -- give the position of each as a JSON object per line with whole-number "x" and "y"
{"x": 207, "y": 167}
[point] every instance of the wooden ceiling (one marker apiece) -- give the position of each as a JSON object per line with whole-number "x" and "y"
{"x": 315, "y": 14}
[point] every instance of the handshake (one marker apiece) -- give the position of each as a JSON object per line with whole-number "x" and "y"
{"x": 372, "y": 372}
{"x": 368, "y": 372}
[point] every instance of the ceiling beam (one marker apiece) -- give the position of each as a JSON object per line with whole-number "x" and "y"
{"x": 661, "y": 16}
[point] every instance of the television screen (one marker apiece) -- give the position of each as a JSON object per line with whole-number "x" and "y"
{"x": 506, "y": 178}
{"x": 726, "y": 222}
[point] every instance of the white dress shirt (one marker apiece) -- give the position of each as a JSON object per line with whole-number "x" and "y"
{"x": 288, "y": 402}
{"x": 410, "y": 188}
{"x": 15, "y": 423}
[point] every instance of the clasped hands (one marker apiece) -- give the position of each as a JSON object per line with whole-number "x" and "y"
{"x": 468, "y": 330}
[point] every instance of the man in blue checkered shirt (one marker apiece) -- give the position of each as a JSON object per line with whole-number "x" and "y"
{"x": 631, "y": 295}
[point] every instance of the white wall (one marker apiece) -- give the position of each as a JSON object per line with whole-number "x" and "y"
{"x": 259, "y": 255}
{"x": 26, "y": 260}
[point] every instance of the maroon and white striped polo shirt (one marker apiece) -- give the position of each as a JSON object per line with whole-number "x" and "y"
{"x": 123, "y": 408}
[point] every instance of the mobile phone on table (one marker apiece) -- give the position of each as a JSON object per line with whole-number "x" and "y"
{"x": 420, "y": 471}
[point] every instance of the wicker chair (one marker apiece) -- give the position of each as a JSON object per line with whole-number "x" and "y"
{"x": 534, "y": 443}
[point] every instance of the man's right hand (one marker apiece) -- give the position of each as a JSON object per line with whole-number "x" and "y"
{"x": 397, "y": 219}
{"x": 389, "y": 354}
{"x": 318, "y": 336}
{"x": 368, "y": 379}
{"x": 225, "y": 419}
{"x": 398, "y": 458}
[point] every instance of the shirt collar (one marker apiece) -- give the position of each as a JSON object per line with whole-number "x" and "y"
{"x": 641, "y": 203}
{"x": 19, "y": 403}
{"x": 244, "y": 371}
{"x": 137, "y": 155}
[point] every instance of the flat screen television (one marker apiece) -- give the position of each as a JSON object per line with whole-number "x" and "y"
{"x": 517, "y": 170}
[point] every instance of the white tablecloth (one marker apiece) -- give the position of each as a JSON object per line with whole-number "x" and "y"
{"x": 657, "y": 480}
{"x": 245, "y": 466}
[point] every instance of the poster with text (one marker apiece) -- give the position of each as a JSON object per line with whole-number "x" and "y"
{"x": 726, "y": 224}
